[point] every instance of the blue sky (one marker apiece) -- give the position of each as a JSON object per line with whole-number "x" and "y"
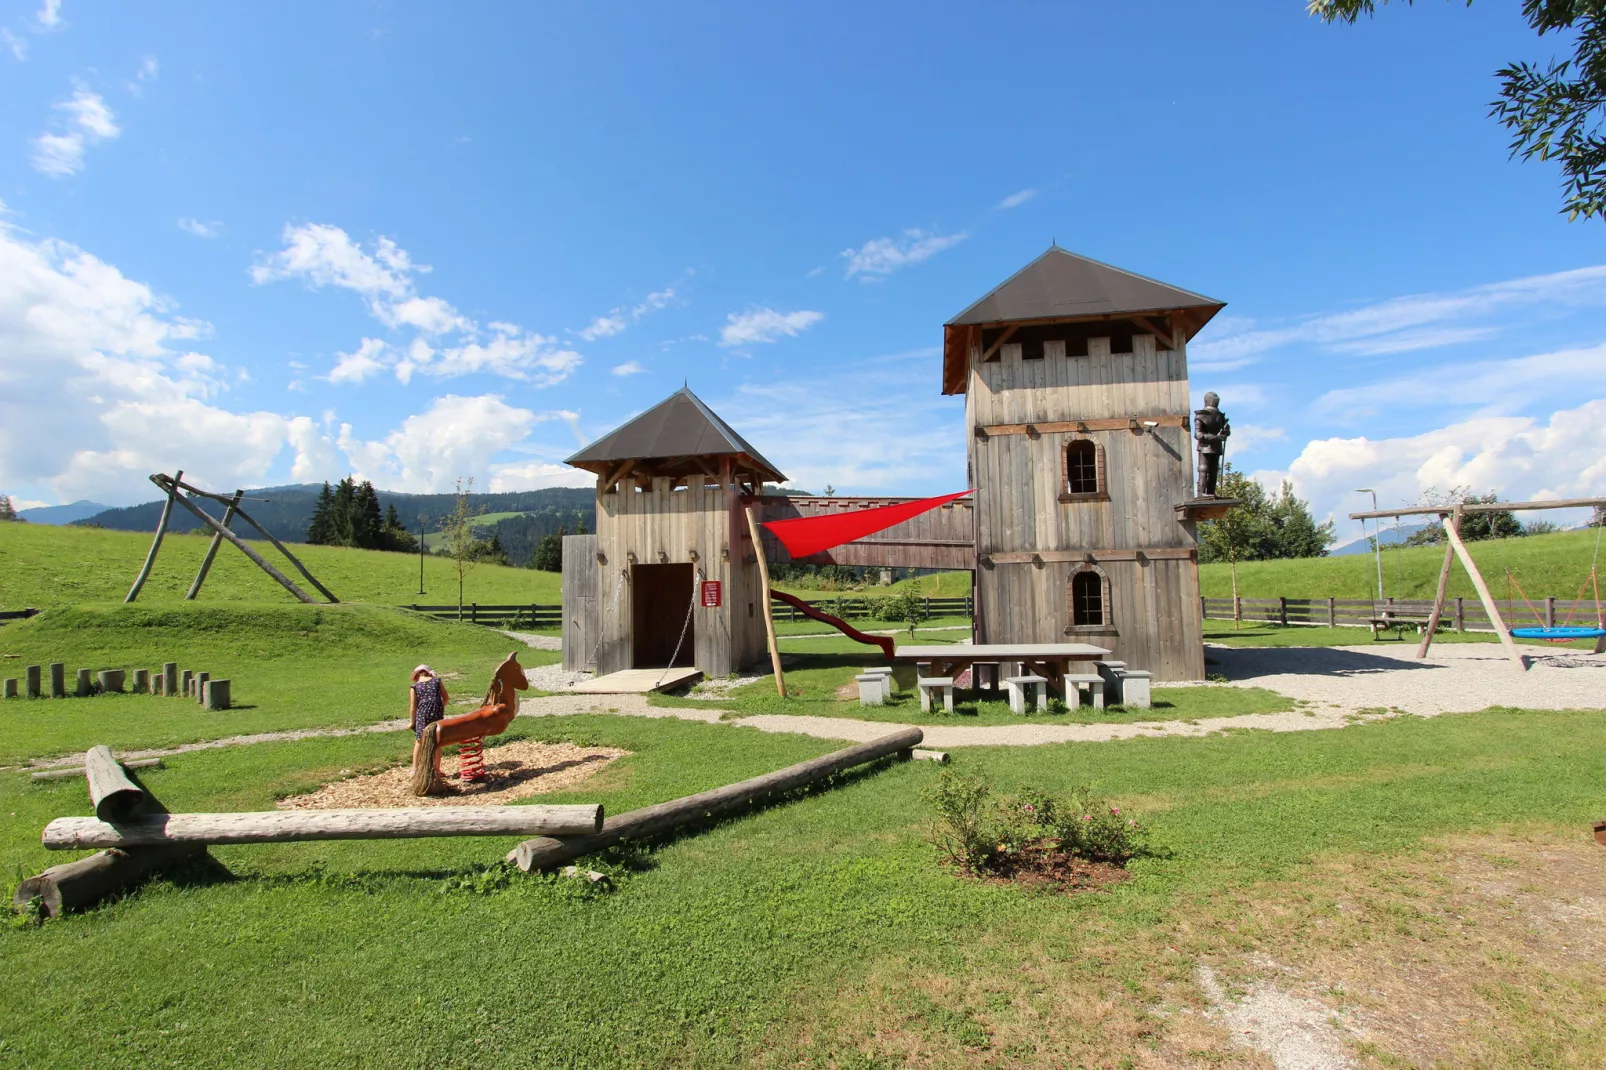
{"x": 289, "y": 241}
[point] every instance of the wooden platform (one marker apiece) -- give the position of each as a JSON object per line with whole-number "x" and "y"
{"x": 637, "y": 681}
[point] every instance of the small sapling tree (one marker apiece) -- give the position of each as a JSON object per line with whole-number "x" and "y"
{"x": 457, "y": 536}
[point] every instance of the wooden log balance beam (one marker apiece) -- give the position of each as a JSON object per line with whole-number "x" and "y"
{"x": 548, "y": 852}
{"x": 114, "y": 796}
{"x": 70, "y": 771}
{"x": 288, "y": 826}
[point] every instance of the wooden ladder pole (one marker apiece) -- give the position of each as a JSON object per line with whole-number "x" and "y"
{"x": 1438, "y": 599}
{"x": 769, "y": 614}
{"x": 260, "y": 561}
{"x": 1484, "y": 596}
{"x": 211, "y": 551}
{"x": 156, "y": 543}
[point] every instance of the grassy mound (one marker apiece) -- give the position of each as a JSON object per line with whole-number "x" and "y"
{"x": 55, "y": 566}
{"x": 292, "y": 666}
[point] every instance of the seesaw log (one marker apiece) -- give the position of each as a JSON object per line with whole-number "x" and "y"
{"x": 549, "y": 851}
{"x": 75, "y": 833}
{"x": 87, "y": 881}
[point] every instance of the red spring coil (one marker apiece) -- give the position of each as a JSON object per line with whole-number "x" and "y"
{"x": 471, "y": 760}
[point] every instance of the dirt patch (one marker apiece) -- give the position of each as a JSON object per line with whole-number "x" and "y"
{"x": 1055, "y": 871}
{"x": 517, "y": 771}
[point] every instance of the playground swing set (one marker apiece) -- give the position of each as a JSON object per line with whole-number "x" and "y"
{"x": 1450, "y": 516}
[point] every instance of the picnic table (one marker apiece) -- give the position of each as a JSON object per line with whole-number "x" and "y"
{"x": 1053, "y": 661}
{"x": 1387, "y": 619}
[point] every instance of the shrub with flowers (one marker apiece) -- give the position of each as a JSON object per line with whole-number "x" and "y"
{"x": 983, "y": 832}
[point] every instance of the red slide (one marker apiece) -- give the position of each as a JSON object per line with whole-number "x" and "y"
{"x": 882, "y": 641}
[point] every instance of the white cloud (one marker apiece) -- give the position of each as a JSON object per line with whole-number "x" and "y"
{"x": 200, "y": 229}
{"x": 603, "y": 327}
{"x": 49, "y": 16}
{"x": 629, "y": 367}
{"x": 456, "y": 436}
{"x": 17, "y": 45}
{"x": 654, "y": 302}
{"x": 1520, "y": 457}
{"x": 881, "y": 257}
{"x": 1403, "y": 324}
{"x": 765, "y": 325}
{"x": 447, "y": 344}
{"x": 1489, "y": 386}
{"x": 534, "y": 475}
{"x": 1247, "y": 438}
{"x": 1015, "y": 200}
{"x": 85, "y": 121}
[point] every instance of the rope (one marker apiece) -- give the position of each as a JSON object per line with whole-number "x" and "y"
{"x": 602, "y": 629}
{"x": 690, "y": 606}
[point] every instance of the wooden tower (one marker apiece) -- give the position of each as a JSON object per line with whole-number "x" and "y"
{"x": 1076, "y": 382}
{"x": 671, "y": 564}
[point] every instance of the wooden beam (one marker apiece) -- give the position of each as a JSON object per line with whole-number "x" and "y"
{"x": 1479, "y": 507}
{"x": 1161, "y": 330}
{"x": 989, "y": 352}
{"x": 156, "y": 544}
{"x": 1119, "y": 423}
{"x": 622, "y": 469}
{"x": 211, "y": 551}
{"x": 112, "y": 794}
{"x": 68, "y": 772}
{"x": 1438, "y": 598}
{"x": 1027, "y": 557}
{"x": 769, "y": 613}
{"x": 266, "y": 534}
{"x": 1482, "y": 588}
{"x": 289, "y": 826}
{"x": 261, "y": 562}
{"x": 665, "y": 817}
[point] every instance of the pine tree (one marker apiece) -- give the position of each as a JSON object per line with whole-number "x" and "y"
{"x": 342, "y": 512}
{"x": 321, "y": 531}
{"x": 367, "y": 521}
{"x": 7, "y": 511}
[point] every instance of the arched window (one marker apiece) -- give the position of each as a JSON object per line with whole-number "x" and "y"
{"x": 1084, "y": 475}
{"x": 1087, "y": 600}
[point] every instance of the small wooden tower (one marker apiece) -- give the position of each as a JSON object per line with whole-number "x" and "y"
{"x": 1076, "y": 382}
{"x": 671, "y": 564}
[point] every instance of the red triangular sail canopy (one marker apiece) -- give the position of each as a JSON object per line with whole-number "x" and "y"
{"x": 807, "y": 535}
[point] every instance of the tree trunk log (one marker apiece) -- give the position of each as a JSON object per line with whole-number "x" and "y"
{"x": 88, "y": 880}
{"x": 547, "y": 852}
{"x": 286, "y": 826}
{"x": 764, "y": 596}
{"x": 260, "y": 561}
{"x": 113, "y": 795}
{"x": 211, "y": 550}
{"x": 78, "y": 770}
{"x": 293, "y": 559}
{"x": 156, "y": 543}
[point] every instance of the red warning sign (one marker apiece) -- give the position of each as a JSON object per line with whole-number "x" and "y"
{"x": 711, "y": 594}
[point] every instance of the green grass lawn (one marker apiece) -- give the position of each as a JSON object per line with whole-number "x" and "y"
{"x": 42, "y": 566}
{"x": 1544, "y": 565}
{"x": 291, "y": 666}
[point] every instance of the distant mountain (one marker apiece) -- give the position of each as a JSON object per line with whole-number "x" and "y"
{"x": 1363, "y": 545}
{"x": 288, "y": 510}
{"x": 61, "y": 514}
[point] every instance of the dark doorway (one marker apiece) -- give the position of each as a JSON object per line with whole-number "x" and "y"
{"x": 660, "y": 596}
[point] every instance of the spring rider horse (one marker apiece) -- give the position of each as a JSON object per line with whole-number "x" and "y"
{"x": 470, "y": 729}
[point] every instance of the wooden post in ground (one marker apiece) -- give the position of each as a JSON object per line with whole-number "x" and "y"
{"x": 1484, "y": 596}
{"x": 1438, "y": 598}
{"x": 170, "y": 678}
{"x": 30, "y": 676}
{"x": 769, "y": 614}
{"x": 156, "y": 543}
{"x": 58, "y": 680}
{"x": 257, "y": 558}
{"x": 211, "y": 551}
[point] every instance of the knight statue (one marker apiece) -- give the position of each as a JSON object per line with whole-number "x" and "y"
{"x": 1210, "y": 431}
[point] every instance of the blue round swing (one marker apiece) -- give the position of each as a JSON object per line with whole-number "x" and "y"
{"x": 1558, "y": 634}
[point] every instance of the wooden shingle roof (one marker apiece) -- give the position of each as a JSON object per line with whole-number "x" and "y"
{"x": 673, "y": 433}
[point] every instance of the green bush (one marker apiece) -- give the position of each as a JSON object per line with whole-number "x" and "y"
{"x": 905, "y": 607}
{"x": 981, "y": 832}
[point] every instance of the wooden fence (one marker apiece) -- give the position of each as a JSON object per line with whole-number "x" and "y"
{"x": 1460, "y": 614}
{"x": 16, "y": 614}
{"x": 867, "y": 608}
{"x": 529, "y": 615}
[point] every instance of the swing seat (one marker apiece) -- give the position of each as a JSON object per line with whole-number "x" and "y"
{"x": 1558, "y": 635}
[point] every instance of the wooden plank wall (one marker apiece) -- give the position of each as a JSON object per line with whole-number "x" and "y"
{"x": 580, "y": 605}
{"x": 1018, "y": 476}
{"x": 942, "y": 538}
{"x": 706, "y": 518}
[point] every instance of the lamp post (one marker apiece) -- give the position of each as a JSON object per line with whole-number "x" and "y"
{"x": 1377, "y": 539}
{"x": 420, "y": 553}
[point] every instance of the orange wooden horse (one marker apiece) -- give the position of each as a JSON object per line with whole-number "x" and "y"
{"x": 501, "y": 706}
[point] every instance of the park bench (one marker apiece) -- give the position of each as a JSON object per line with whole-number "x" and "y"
{"x": 1092, "y": 681}
{"x": 1017, "y": 686}
{"x": 1395, "y": 620}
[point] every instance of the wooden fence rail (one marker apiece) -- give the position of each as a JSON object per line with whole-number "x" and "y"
{"x": 1460, "y": 614}
{"x": 530, "y": 614}
{"x": 863, "y": 608}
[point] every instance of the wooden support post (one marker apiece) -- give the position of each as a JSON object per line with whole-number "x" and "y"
{"x": 289, "y": 826}
{"x": 1484, "y": 596}
{"x": 1332, "y": 612}
{"x": 156, "y": 543}
{"x": 86, "y": 686}
{"x": 764, "y": 596}
{"x": 112, "y": 794}
{"x": 199, "y": 689}
{"x": 1550, "y": 611}
{"x": 58, "y": 680}
{"x": 170, "y": 678}
{"x": 292, "y": 558}
{"x": 1438, "y": 598}
{"x": 1460, "y": 614}
{"x": 30, "y": 677}
{"x": 8, "y": 688}
{"x": 260, "y": 562}
{"x": 142, "y": 681}
{"x": 547, "y": 852}
{"x": 1282, "y": 611}
{"x": 211, "y": 551}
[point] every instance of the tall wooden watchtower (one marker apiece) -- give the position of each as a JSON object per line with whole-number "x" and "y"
{"x": 670, "y": 573}
{"x": 1076, "y": 382}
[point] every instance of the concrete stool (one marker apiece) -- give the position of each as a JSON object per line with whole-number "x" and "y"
{"x": 1090, "y": 680}
{"x": 872, "y": 689}
{"x": 1135, "y": 689}
{"x": 928, "y": 684}
{"x": 216, "y": 694}
{"x": 1017, "y": 686}
{"x": 885, "y": 672}
{"x": 1112, "y": 671}
{"x": 111, "y": 680}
